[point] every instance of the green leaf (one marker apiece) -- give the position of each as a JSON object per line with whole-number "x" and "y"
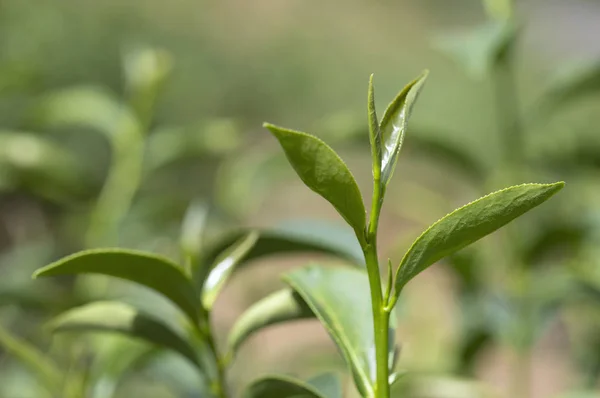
{"x": 224, "y": 266}
{"x": 281, "y": 306}
{"x": 469, "y": 224}
{"x": 479, "y": 49}
{"x": 111, "y": 316}
{"x": 340, "y": 298}
{"x": 154, "y": 272}
{"x": 329, "y": 384}
{"x": 290, "y": 237}
{"x": 323, "y": 171}
{"x": 281, "y": 387}
{"x": 192, "y": 230}
{"x": 574, "y": 82}
{"x": 40, "y": 364}
{"x": 501, "y": 10}
{"x": 374, "y": 130}
{"x": 394, "y": 124}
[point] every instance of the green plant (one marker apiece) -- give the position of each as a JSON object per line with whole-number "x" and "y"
{"x": 350, "y": 302}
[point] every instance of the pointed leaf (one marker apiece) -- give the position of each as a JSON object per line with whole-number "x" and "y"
{"x": 374, "y": 131}
{"x": 394, "y": 124}
{"x": 154, "y": 272}
{"x": 224, "y": 266}
{"x": 281, "y": 387}
{"x": 469, "y": 224}
{"x": 323, "y": 171}
{"x": 281, "y": 306}
{"x": 340, "y": 298}
{"x": 291, "y": 237}
{"x": 192, "y": 229}
{"x": 111, "y": 316}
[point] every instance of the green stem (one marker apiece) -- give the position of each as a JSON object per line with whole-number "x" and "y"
{"x": 218, "y": 384}
{"x": 381, "y": 317}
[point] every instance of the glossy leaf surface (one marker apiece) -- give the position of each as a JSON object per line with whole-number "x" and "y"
{"x": 154, "y": 272}
{"x": 323, "y": 171}
{"x": 110, "y": 316}
{"x": 469, "y": 224}
{"x": 224, "y": 266}
{"x": 340, "y": 298}
{"x": 281, "y": 387}
{"x": 281, "y": 306}
{"x": 394, "y": 124}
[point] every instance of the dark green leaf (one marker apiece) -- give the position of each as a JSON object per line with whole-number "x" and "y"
{"x": 281, "y": 387}
{"x": 154, "y": 272}
{"x": 281, "y": 306}
{"x": 469, "y": 224}
{"x": 323, "y": 171}
{"x": 224, "y": 266}
{"x": 394, "y": 124}
{"x": 110, "y": 316}
{"x": 291, "y": 237}
{"x": 340, "y": 298}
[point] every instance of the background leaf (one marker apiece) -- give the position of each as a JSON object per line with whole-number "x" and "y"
{"x": 154, "y": 272}
{"x": 469, "y": 224}
{"x": 340, "y": 298}
{"x": 281, "y": 387}
{"x": 281, "y": 306}
{"x": 111, "y": 316}
{"x": 323, "y": 171}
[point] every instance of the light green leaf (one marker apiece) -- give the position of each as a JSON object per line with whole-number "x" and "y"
{"x": 479, "y": 49}
{"x": 394, "y": 124}
{"x": 340, "y": 298}
{"x": 192, "y": 230}
{"x": 281, "y": 387}
{"x": 501, "y": 10}
{"x": 281, "y": 306}
{"x": 111, "y": 316}
{"x": 40, "y": 364}
{"x": 224, "y": 266}
{"x": 290, "y": 237}
{"x": 323, "y": 171}
{"x": 152, "y": 271}
{"x": 469, "y": 224}
{"x": 573, "y": 82}
{"x": 374, "y": 130}
{"x": 329, "y": 384}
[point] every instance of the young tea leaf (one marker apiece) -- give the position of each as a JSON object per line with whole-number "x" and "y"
{"x": 281, "y": 306}
{"x": 110, "y": 316}
{"x": 281, "y": 387}
{"x": 224, "y": 266}
{"x": 374, "y": 131}
{"x": 340, "y": 298}
{"x": 323, "y": 171}
{"x": 469, "y": 224}
{"x": 394, "y": 124}
{"x": 154, "y": 272}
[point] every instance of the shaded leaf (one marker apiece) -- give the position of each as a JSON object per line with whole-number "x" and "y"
{"x": 572, "y": 83}
{"x": 291, "y": 237}
{"x": 329, "y": 384}
{"x": 340, "y": 298}
{"x": 111, "y": 316}
{"x": 469, "y": 224}
{"x": 324, "y": 172}
{"x": 281, "y": 306}
{"x": 394, "y": 124}
{"x": 281, "y": 387}
{"x": 154, "y": 272}
{"x": 224, "y": 266}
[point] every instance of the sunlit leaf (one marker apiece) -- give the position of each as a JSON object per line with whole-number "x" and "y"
{"x": 281, "y": 306}
{"x": 340, "y": 298}
{"x": 394, "y": 124}
{"x": 154, "y": 272}
{"x": 469, "y": 224}
{"x": 324, "y": 172}
{"x": 111, "y": 316}
{"x": 281, "y": 387}
{"x": 224, "y": 266}
{"x": 291, "y": 237}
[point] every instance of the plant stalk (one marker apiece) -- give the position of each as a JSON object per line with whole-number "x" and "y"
{"x": 381, "y": 317}
{"x": 218, "y": 385}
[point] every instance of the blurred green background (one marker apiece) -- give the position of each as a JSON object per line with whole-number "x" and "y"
{"x": 116, "y": 115}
